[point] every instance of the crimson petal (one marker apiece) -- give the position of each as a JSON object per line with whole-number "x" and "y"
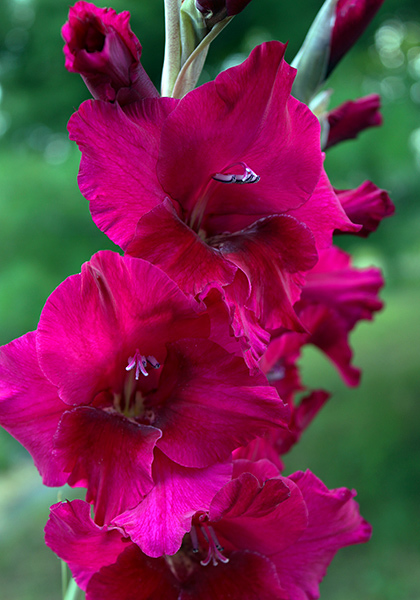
{"x": 160, "y": 521}
{"x": 164, "y": 240}
{"x": 30, "y": 408}
{"x": 109, "y": 455}
{"x": 118, "y": 167}
{"x": 208, "y": 394}
{"x": 273, "y": 253}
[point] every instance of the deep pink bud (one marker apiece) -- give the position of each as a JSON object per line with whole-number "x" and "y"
{"x": 350, "y": 118}
{"x": 100, "y": 45}
{"x": 217, "y": 10}
{"x": 367, "y": 205}
{"x": 351, "y": 19}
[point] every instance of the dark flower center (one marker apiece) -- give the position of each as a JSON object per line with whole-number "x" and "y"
{"x": 202, "y": 538}
{"x": 91, "y": 35}
{"x": 132, "y": 400}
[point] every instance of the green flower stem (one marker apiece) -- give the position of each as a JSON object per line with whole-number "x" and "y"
{"x": 172, "y": 58}
{"x": 64, "y": 579}
{"x": 73, "y": 591}
{"x": 190, "y": 72}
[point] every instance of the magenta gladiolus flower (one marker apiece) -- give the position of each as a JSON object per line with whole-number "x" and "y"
{"x": 366, "y": 205}
{"x": 351, "y": 19}
{"x": 100, "y": 45}
{"x": 122, "y": 391}
{"x": 349, "y": 119}
{"x": 225, "y": 185}
{"x": 264, "y": 536}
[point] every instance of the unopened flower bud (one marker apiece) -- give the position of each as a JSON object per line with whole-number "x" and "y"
{"x": 216, "y": 10}
{"x": 350, "y": 118}
{"x": 351, "y": 19}
{"x": 100, "y": 45}
{"x": 337, "y": 26}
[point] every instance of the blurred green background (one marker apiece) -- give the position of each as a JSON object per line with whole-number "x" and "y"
{"x": 367, "y": 438}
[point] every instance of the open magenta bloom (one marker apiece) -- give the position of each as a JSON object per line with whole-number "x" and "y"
{"x": 121, "y": 390}
{"x": 264, "y": 536}
{"x": 225, "y": 185}
{"x": 100, "y": 45}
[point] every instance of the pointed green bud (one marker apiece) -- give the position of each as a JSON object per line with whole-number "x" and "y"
{"x": 312, "y": 59}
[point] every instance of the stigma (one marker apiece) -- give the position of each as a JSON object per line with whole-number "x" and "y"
{"x": 247, "y": 175}
{"x": 139, "y": 362}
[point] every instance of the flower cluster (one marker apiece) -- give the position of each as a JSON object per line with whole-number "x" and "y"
{"x": 164, "y": 380}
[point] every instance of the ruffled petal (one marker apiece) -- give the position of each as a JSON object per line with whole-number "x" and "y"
{"x": 160, "y": 521}
{"x": 366, "y": 205}
{"x": 273, "y": 253}
{"x": 264, "y": 518}
{"x": 333, "y": 522}
{"x": 81, "y": 543}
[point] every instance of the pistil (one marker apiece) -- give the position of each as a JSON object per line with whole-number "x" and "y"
{"x": 215, "y": 550}
{"x": 214, "y": 553}
{"x": 140, "y": 362}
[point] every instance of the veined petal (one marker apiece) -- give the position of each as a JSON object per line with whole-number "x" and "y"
{"x": 93, "y": 322}
{"x": 118, "y": 167}
{"x": 75, "y": 538}
{"x": 30, "y": 408}
{"x": 245, "y": 116}
{"x": 208, "y": 394}
{"x": 264, "y": 518}
{"x": 149, "y": 578}
{"x": 333, "y": 522}
{"x": 247, "y": 576}
{"x": 247, "y": 496}
{"x": 160, "y": 521}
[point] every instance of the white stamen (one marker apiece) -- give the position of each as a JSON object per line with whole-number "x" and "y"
{"x": 194, "y": 539}
{"x": 140, "y": 362}
{"x": 248, "y": 176}
{"x": 214, "y": 552}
